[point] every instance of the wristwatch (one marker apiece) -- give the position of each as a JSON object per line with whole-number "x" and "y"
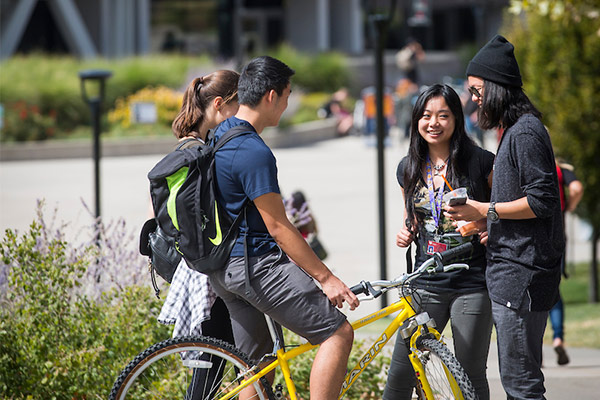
{"x": 492, "y": 214}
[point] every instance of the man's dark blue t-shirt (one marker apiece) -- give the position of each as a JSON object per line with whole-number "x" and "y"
{"x": 246, "y": 168}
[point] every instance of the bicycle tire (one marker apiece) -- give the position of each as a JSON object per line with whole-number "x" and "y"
{"x": 438, "y": 362}
{"x": 167, "y": 369}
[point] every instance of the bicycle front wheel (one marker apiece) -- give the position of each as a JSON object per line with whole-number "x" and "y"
{"x": 443, "y": 373}
{"x": 188, "y": 368}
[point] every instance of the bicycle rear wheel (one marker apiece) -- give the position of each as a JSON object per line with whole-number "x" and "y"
{"x": 188, "y": 368}
{"x": 443, "y": 372}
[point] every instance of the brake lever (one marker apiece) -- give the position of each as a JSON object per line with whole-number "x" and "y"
{"x": 375, "y": 293}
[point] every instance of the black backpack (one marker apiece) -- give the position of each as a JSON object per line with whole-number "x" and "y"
{"x": 188, "y": 220}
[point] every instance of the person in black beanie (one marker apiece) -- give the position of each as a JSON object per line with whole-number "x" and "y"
{"x": 525, "y": 229}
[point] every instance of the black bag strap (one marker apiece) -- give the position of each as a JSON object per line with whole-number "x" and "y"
{"x": 238, "y": 130}
{"x": 186, "y": 143}
{"x": 246, "y": 256}
{"x": 409, "y": 261}
{"x": 230, "y": 134}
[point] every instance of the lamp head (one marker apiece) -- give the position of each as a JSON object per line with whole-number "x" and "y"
{"x": 98, "y": 75}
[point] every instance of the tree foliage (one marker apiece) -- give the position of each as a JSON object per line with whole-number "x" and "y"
{"x": 557, "y": 43}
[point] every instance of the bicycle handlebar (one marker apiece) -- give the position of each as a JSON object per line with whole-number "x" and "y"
{"x": 455, "y": 252}
{"x": 433, "y": 265}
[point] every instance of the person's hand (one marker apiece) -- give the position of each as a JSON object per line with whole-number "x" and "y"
{"x": 404, "y": 238}
{"x": 470, "y": 211}
{"x": 483, "y": 238}
{"x": 337, "y": 292}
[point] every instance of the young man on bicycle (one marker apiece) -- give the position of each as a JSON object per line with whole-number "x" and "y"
{"x": 271, "y": 283}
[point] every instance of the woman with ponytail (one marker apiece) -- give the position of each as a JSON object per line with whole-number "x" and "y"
{"x": 191, "y": 304}
{"x": 441, "y": 158}
{"x": 207, "y": 101}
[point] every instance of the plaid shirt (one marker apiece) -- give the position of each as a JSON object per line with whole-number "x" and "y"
{"x": 188, "y": 302}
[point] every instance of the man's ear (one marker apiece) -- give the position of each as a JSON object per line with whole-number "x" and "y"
{"x": 271, "y": 96}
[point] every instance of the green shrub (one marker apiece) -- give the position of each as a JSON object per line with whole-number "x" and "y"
{"x": 168, "y": 103}
{"x": 72, "y": 315}
{"x": 59, "y": 337}
{"x": 52, "y": 85}
{"x": 324, "y": 72}
{"x": 49, "y": 87}
{"x": 27, "y": 122}
{"x": 307, "y": 109}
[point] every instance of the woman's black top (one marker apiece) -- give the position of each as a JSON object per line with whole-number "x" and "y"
{"x": 474, "y": 173}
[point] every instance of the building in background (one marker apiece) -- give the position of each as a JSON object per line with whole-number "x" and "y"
{"x": 234, "y": 28}
{"x": 86, "y": 29}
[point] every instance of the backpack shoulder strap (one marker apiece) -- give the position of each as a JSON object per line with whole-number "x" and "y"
{"x": 237, "y": 130}
{"x": 187, "y": 143}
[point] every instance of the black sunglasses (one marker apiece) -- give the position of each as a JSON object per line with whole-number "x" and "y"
{"x": 473, "y": 90}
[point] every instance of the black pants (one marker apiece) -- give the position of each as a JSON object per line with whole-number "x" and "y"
{"x": 218, "y": 327}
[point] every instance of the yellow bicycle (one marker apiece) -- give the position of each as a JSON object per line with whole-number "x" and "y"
{"x": 170, "y": 369}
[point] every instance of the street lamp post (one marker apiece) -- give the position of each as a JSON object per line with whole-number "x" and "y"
{"x": 95, "y": 100}
{"x": 380, "y": 22}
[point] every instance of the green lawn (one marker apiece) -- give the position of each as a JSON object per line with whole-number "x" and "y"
{"x": 582, "y": 319}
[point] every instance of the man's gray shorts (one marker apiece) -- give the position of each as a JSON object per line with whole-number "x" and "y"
{"x": 281, "y": 290}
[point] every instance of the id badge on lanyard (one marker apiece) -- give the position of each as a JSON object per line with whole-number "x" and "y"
{"x": 435, "y": 247}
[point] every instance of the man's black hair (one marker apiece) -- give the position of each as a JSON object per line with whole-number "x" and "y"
{"x": 261, "y": 75}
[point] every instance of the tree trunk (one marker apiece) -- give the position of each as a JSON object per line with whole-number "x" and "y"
{"x": 593, "y": 293}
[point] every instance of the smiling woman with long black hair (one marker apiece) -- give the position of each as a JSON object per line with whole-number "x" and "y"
{"x": 441, "y": 157}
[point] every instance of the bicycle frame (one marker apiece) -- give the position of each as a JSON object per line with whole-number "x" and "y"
{"x": 402, "y": 307}
{"x": 405, "y": 311}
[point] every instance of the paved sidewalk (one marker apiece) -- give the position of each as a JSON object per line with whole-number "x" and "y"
{"x": 339, "y": 178}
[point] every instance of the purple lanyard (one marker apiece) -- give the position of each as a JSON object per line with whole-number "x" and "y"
{"x": 436, "y": 204}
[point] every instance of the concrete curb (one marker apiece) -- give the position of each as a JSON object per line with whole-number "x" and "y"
{"x": 298, "y": 135}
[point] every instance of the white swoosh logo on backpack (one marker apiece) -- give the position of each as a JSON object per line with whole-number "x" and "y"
{"x": 219, "y": 236}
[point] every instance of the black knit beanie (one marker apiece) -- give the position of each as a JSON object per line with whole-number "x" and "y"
{"x": 496, "y": 62}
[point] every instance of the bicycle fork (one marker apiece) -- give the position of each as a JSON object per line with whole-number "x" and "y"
{"x": 423, "y": 326}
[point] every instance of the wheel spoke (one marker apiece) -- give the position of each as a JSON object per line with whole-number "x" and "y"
{"x": 197, "y": 368}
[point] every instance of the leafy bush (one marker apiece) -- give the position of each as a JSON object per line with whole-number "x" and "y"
{"x": 73, "y": 315}
{"x": 52, "y": 85}
{"x": 324, "y": 72}
{"x": 307, "y": 109}
{"x": 27, "y": 122}
{"x": 368, "y": 386}
{"x": 168, "y": 103}
{"x": 67, "y": 323}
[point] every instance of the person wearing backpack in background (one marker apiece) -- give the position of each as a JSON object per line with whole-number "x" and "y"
{"x": 191, "y": 304}
{"x": 270, "y": 283}
{"x": 571, "y": 191}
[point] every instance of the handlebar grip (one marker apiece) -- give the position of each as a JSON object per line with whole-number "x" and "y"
{"x": 456, "y": 251}
{"x": 360, "y": 288}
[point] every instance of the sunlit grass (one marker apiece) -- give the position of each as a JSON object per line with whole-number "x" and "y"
{"x": 582, "y": 319}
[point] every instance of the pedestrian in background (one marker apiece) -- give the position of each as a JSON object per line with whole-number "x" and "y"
{"x": 408, "y": 59}
{"x": 571, "y": 191}
{"x": 525, "y": 228}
